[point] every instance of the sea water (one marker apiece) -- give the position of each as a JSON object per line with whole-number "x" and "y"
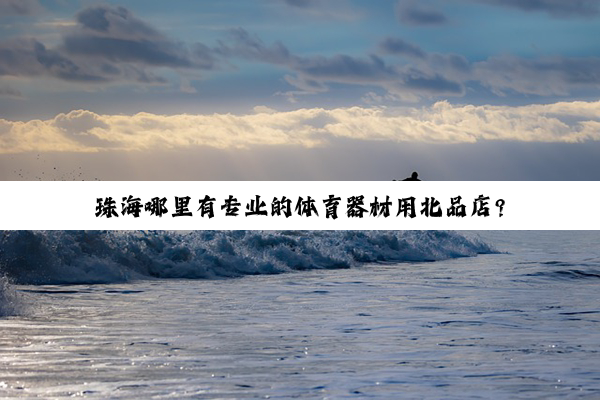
{"x": 300, "y": 314}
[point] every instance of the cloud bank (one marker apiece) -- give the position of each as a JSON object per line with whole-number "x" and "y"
{"x": 85, "y": 131}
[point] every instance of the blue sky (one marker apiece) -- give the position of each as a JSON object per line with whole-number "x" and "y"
{"x": 276, "y": 76}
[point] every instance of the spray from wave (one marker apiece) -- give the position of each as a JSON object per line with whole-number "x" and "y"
{"x": 10, "y": 300}
{"x": 73, "y": 257}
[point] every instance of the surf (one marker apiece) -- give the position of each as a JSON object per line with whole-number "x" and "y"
{"x": 11, "y": 302}
{"x": 89, "y": 257}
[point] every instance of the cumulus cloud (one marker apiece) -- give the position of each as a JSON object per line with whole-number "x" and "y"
{"x": 85, "y": 131}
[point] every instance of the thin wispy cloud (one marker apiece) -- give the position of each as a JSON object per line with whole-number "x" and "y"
{"x": 556, "y": 8}
{"x": 342, "y": 10}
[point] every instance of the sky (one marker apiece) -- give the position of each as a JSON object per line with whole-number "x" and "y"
{"x": 299, "y": 89}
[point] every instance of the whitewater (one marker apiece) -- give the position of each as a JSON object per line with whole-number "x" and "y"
{"x": 322, "y": 314}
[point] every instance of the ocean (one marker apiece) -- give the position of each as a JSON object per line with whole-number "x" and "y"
{"x": 319, "y": 314}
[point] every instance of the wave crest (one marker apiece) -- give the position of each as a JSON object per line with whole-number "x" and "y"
{"x": 56, "y": 257}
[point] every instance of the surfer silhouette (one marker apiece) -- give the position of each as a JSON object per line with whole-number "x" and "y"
{"x": 413, "y": 177}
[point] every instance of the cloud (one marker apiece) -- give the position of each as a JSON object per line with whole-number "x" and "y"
{"x": 8, "y": 91}
{"x": 544, "y": 76}
{"x": 85, "y": 131}
{"x": 425, "y": 75}
{"x": 77, "y": 125}
{"x": 243, "y": 44}
{"x": 329, "y": 9}
{"x": 412, "y": 13}
{"x": 299, "y": 3}
{"x": 19, "y": 7}
{"x": 114, "y": 34}
{"x": 115, "y": 21}
{"x": 315, "y": 72}
{"x": 28, "y": 57}
{"x": 556, "y": 8}
{"x": 400, "y": 47}
{"x": 111, "y": 45}
{"x": 108, "y": 44}
{"x": 22, "y": 57}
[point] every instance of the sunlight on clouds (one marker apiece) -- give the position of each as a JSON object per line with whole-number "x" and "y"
{"x": 85, "y": 131}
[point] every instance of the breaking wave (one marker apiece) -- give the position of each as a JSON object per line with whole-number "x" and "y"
{"x": 10, "y": 300}
{"x": 74, "y": 257}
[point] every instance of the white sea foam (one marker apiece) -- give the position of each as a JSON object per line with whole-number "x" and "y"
{"x": 519, "y": 324}
{"x": 54, "y": 257}
{"x": 10, "y": 300}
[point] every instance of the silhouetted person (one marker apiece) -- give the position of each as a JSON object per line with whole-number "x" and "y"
{"x": 413, "y": 177}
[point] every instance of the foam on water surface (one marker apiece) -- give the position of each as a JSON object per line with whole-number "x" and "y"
{"x": 505, "y": 325}
{"x": 75, "y": 257}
